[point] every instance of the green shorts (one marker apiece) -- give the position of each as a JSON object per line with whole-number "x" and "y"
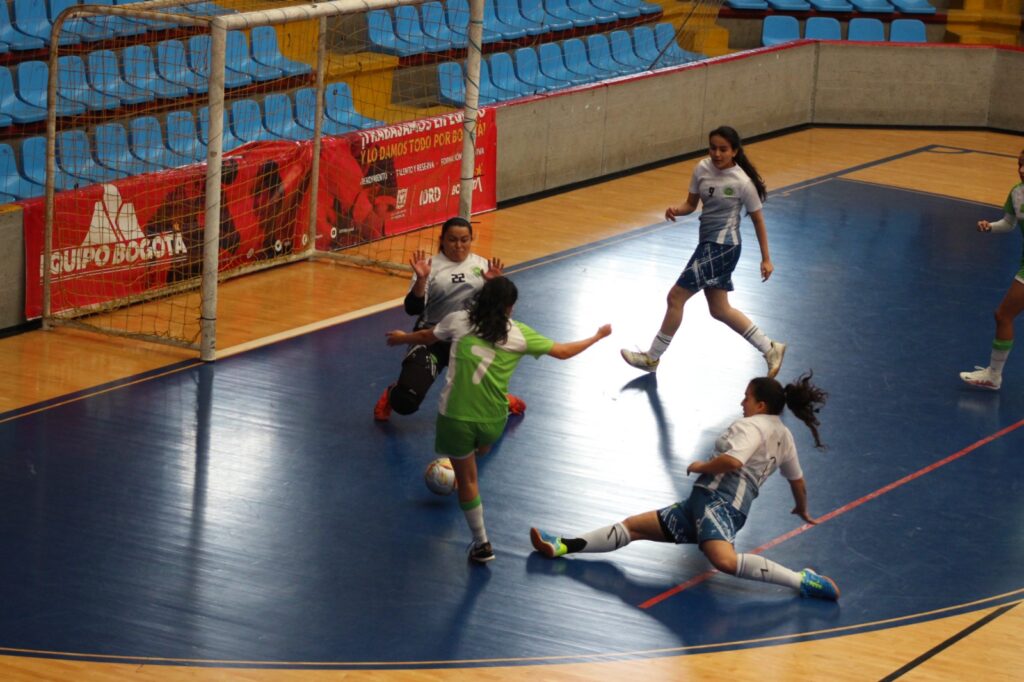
{"x": 459, "y": 439}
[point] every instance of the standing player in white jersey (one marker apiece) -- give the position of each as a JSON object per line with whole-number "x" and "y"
{"x": 725, "y": 184}
{"x": 441, "y": 284}
{"x": 487, "y": 345}
{"x": 748, "y": 452}
{"x": 991, "y": 377}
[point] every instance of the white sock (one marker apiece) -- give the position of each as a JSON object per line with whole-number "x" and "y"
{"x": 475, "y": 518}
{"x": 659, "y": 345}
{"x": 756, "y": 567}
{"x": 1000, "y": 351}
{"x": 607, "y": 539}
{"x": 758, "y": 339}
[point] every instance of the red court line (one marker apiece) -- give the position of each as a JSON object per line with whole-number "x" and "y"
{"x": 841, "y": 510}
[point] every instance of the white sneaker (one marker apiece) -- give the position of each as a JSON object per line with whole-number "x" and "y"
{"x": 983, "y": 377}
{"x": 640, "y": 360}
{"x": 774, "y": 358}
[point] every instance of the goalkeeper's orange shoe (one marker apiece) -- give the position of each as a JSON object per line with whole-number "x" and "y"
{"x": 382, "y": 410}
{"x": 516, "y": 405}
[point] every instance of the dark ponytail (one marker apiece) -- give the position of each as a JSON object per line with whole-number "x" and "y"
{"x": 489, "y": 309}
{"x": 733, "y": 138}
{"x": 803, "y": 399}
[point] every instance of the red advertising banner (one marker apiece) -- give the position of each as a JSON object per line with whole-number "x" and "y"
{"x": 145, "y": 232}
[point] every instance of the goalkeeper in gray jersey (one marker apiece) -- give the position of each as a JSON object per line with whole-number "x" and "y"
{"x": 442, "y": 284}
{"x": 991, "y": 377}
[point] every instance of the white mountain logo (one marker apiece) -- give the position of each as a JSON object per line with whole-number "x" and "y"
{"x": 115, "y": 241}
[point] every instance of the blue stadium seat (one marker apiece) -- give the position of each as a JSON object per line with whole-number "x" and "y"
{"x": 757, "y": 5}
{"x": 75, "y": 158}
{"x": 619, "y": 10}
{"x": 623, "y": 53}
{"x": 172, "y": 65}
{"x": 105, "y": 77}
{"x": 646, "y": 8}
{"x": 183, "y": 137}
{"x": 435, "y": 25}
{"x": 146, "y": 141}
{"x": 458, "y": 22}
{"x": 914, "y": 6}
{"x": 490, "y": 91}
{"x": 647, "y": 48}
{"x": 451, "y": 84}
{"x": 118, "y": 26}
{"x": 338, "y": 106}
{"x": 789, "y": 5}
{"x": 528, "y": 70}
{"x": 229, "y": 140}
{"x": 112, "y": 151}
{"x": 552, "y": 65}
{"x": 559, "y": 9}
{"x": 73, "y": 84}
{"x": 151, "y": 24}
{"x": 207, "y": 9}
{"x": 247, "y": 122}
{"x": 86, "y": 31}
{"x": 665, "y": 37}
{"x": 600, "y": 54}
{"x": 865, "y": 30}
{"x": 30, "y": 18}
{"x": 778, "y": 29}
{"x": 305, "y": 114}
{"x": 578, "y": 64}
{"x": 408, "y": 28}
{"x": 503, "y": 75}
{"x": 12, "y": 182}
{"x": 238, "y": 58}
{"x": 831, "y": 6}
{"x": 33, "y": 166}
{"x": 265, "y": 51}
{"x": 382, "y": 36}
{"x": 279, "y": 118}
{"x": 140, "y": 73}
{"x": 823, "y": 28}
{"x": 907, "y": 31}
{"x": 11, "y": 36}
{"x": 10, "y": 105}
{"x": 199, "y": 62}
{"x": 873, "y": 6}
{"x": 33, "y": 79}
{"x": 585, "y": 8}
{"x": 495, "y": 24}
{"x": 508, "y": 11}
{"x": 535, "y": 12}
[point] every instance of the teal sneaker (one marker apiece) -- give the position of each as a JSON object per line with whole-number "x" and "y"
{"x": 818, "y": 586}
{"x": 549, "y": 545}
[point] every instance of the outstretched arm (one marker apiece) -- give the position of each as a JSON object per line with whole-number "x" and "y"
{"x": 799, "y": 489}
{"x": 564, "y": 351}
{"x": 686, "y": 208}
{"x": 423, "y": 337}
{"x": 1004, "y": 224}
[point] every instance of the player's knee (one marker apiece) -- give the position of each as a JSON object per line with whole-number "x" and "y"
{"x": 404, "y": 399}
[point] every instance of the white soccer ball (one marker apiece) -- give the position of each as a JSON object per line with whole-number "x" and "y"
{"x": 440, "y": 476}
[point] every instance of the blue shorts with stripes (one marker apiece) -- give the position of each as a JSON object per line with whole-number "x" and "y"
{"x": 706, "y": 515}
{"x": 710, "y": 267}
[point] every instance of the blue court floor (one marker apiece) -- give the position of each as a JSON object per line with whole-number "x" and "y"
{"x": 251, "y": 512}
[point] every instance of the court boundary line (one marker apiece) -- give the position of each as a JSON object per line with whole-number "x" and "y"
{"x": 849, "y": 506}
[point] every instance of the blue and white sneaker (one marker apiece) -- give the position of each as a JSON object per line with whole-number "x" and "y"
{"x": 640, "y": 360}
{"x": 817, "y": 586}
{"x": 547, "y": 544}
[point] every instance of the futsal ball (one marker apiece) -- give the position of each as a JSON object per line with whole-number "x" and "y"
{"x": 440, "y": 476}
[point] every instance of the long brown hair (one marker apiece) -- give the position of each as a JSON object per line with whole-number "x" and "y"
{"x": 803, "y": 399}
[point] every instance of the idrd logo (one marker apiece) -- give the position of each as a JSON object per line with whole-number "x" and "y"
{"x": 431, "y": 195}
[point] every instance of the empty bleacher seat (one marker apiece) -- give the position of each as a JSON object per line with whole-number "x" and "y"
{"x": 279, "y": 118}
{"x": 139, "y": 71}
{"x": 118, "y": 26}
{"x": 33, "y": 165}
{"x": 534, "y": 11}
{"x": 555, "y": 65}
{"x": 585, "y": 8}
{"x": 305, "y": 114}
{"x": 873, "y": 6}
{"x": 30, "y": 18}
{"x": 758, "y": 5}
{"x": 10, "y": 105}
{"x": 382, "y": 36}
{"x": 33, "y": 79}
{"x": 75, "y": 158}
{"x": 600, "y": 54}
{"x": 560, "y": 10}
{"x": 151, "y": 24}
{"x": 914, "y": 6}
{"x": 865, "y": 30}
{"x": 823, "y": 28}
{"x": 790, "y": 5}
{"x": 647, "y": 9}
{"x": 264, "y": 47}
{"x": 12, "y": 182}
{"x": 509, "y": 12}
{"x": 112, "y": 151}
{"x": 247, "y": 121}
{"x": 86, "y": 31}
{"x": 621, "y": 11}
{"x": 11, "y": 36}
{"x": 238, "y": 58}
{"x": 183, "y": 136}
{"x": 489, "y": 90}
{"x": 199, "y": 62}
{"x": 623, "y": 53}
{"x": 435, "y": 25}
{"x": 146, "y": 141}
{"x": 907, "y": 31}
{"x": 172, "y": 65}
{"x": 497, "y": 25}
{"x": 831, "y": 6}
{"x": 578, "y": 63}
{"x": 778, "y": 29}
{"x": 647, "y": 48}
{"x": 338, "y": 106}
{"x": 503, "y": 75}
{"x": 665, "y": 36}
{"x": 458, "y": 22}
{"x": 105, "y": 77}
{"x": 528, "y": 71}
{"x": 451, "y": 83}
{"x": 73, "y": 84}
{"x": 228, "y": 139}
{"x": 408, "y": 28}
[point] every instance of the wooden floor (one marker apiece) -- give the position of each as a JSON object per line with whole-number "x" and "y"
{"x": 45, "y": 366}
